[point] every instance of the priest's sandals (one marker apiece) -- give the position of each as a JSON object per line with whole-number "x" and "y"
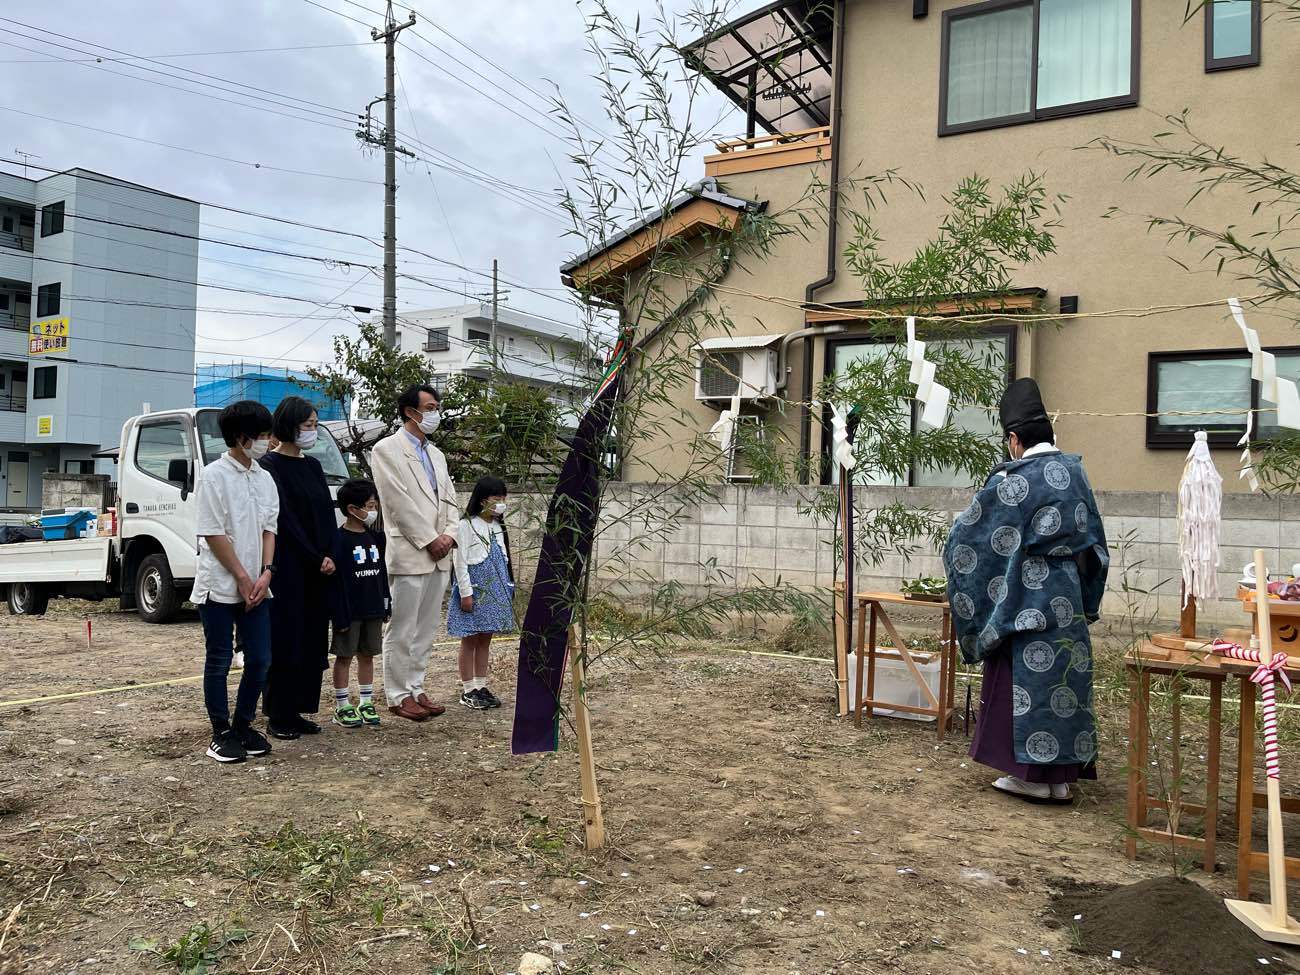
{"x": 1035, "y": 792}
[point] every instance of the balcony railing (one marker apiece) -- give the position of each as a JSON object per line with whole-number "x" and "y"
{"x": 11, "y": 403}
{"x": 15, "y": 242}
{"x": 769, "y": 152}
{"x": 11, "y": 319}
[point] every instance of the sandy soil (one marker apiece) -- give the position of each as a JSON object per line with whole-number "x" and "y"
{"x": 750, "y": 830}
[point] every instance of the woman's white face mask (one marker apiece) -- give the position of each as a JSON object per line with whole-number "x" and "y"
{"x": 306, "y": 439}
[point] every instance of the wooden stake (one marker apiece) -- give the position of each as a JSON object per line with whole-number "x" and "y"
{"x": 843, "y": 633}
{"x": 593, "y": 817}
{"x": 1270, "y": 921}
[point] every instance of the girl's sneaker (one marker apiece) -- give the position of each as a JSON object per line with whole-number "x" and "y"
{"x": 474, "y": 700}
{"x": 368, "y": 713}
{"x": 492, "y": 700}
{"x": 348, "y": 716}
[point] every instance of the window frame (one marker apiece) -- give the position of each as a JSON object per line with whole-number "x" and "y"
{"x": 42, "y": 292}
{"x": 1158, "y": 439}
{"x": 36, "y": 387}
{"x": 187, "y": 433}
{"x": 1250, "y": 60}
{"x": 1009, "y": 331}
{"x": 1129, "y": 100}
{"x": 55, "y": 212}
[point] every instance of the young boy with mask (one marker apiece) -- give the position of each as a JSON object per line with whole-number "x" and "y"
{"x": 362, "y": 603}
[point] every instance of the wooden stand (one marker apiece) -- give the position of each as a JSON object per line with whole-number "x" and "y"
{"x": 1270, "y": 921}
{"x": 871, "y": 609}
{"x": 1180, "y": 667}
{"x": 593, "y": 817}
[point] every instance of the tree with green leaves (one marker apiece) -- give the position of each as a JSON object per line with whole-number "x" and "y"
{"x": 371, "y": 374}
{"x": 499, "y": 426}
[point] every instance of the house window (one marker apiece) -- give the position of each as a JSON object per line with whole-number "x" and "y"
{"x": 482, "y": 338}
{"x": 78, "y": 467}
{"x": 1208, "y": 391}
{"x": 52, "y": 219}
{"x": 7, "y": 224}
{"x": 1231, "y": 34}
{"x": 45, "y": 382}
{"x": 438, "y": 341}
{"x": 47, "y": 299}
{"x": 1012, "y": 61}
{"x": 996, "y": 348}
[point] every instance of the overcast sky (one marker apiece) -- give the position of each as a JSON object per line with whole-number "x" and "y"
{"x": 335, "y": 71}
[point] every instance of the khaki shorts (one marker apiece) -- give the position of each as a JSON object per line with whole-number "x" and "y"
{"x": 363, "y": 637}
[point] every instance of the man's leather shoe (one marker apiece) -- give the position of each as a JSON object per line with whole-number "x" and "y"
{"x": 410, "y": 710}
{"x": 431, "y": 709}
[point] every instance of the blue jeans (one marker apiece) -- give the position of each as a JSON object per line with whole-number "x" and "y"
{"x": 220, "y": 620}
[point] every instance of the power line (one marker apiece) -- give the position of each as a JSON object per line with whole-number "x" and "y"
{"x": 258, "y": 92}
{"x": 197, "y": 152}
{"x": 197, "y": 54}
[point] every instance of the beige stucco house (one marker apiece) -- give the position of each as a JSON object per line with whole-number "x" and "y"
{"x": 942, "y": 90}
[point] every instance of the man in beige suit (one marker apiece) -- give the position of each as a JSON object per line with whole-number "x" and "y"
{"x": 420, "y": 517}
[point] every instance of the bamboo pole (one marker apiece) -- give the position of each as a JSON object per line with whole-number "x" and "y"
{"x": 593, "y": 816}
{"x": 1269, "y": 921}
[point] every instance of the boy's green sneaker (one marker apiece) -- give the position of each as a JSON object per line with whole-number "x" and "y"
{"x": 348, "y": 717}
{"x": 368, "y": 713}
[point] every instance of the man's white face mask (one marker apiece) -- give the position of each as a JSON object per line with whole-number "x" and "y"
{"x": 429, "y": 421}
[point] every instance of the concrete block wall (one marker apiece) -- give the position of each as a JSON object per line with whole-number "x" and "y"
{"x": 756, "y": 535}
{"x": 75, "y": 491}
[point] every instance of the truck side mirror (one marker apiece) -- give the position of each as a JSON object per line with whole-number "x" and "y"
{"x": 178, "y": 472}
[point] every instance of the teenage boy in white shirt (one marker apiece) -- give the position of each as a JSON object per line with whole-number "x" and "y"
{"x": 238, "y": 508}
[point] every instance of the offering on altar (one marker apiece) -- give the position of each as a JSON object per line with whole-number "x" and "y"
{"x": 929, "y": 588}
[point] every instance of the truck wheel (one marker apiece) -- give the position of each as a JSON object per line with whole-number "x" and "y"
{"x": 156, "y": 597}
{"x": 28, "y": 599}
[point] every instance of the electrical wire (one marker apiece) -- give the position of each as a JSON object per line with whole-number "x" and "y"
{"x": 201, "y": 54}
{"x": 198, "y": 152}
{"x": 451, "y": 231}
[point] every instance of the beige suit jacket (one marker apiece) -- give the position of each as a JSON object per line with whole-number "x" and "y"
{"x": 414, "y": 514}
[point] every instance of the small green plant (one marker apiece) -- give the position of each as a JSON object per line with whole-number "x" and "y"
{"x": 195, "y": 952}
{"x": 542, "y": 838}
{"x": 325, "y": 864}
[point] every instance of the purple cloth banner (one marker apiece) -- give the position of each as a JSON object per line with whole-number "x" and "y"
{"x": 557, "y": 587}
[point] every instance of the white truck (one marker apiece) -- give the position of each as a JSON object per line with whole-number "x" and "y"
{"x": 149, "y": 561}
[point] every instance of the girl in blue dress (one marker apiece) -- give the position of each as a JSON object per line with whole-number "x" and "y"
{"x": 482, "y": 596}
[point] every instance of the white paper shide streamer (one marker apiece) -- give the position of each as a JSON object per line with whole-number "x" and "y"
{"x": 933, "y": 396}
{"x": 841, "y": 446}
{"x": 724, "y": 430}
{"x": 1200, "y": 498}
{"x": 1282, "y": 393}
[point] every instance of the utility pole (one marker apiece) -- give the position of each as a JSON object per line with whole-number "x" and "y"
{"x": 494, "y": 311}
{"x": 387, "y": 137}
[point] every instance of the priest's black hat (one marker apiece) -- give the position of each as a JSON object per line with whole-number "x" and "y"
{"x": 1021, "y": 405}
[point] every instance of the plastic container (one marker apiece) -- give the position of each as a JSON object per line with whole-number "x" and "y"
{"x": 60, "y": 525}
{"x": 895, "y": 684}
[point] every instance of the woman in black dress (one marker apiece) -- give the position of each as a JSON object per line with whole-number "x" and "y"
{"x": 300, "y": 614}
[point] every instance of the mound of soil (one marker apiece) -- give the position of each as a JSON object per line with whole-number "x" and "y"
{"x": 1168, "y": 924}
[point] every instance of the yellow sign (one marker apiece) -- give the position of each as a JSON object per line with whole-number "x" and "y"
{"x": 45, "y": 426}
{"x": 49, "y": 335}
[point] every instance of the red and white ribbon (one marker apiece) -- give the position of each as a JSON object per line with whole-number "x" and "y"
{"x": 1265, "y": 675}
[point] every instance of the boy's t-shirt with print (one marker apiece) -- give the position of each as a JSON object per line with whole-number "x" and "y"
{"x": 363, "y": 579}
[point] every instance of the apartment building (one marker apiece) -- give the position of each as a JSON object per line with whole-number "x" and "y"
{"x": 942, "y": 89}
{"x": 97, "y": 318}
{"x": 530, "y": 349}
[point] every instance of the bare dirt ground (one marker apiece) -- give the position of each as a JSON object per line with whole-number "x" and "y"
{"x": 750, "y": 830}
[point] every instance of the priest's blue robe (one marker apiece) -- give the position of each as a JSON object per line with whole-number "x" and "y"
{"x": 1026, "y": 565}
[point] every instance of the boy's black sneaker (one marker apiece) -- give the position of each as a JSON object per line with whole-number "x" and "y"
{"x": 226, "y": 748}
{"x": 474, "y": 700}
{"x": 254, "y": 741}
{"x": 492, "y": 700}
{"x": 284, "y": 734}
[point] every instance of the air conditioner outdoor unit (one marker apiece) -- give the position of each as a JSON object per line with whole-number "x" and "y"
{"x": 727, "y": 369}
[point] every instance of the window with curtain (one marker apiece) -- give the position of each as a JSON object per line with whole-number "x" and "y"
{"x": 1232, "y": 29}
{"x": 1203, "y": 386}
{"x": 993, "y": 349}
{"x": 1024, "y": 60}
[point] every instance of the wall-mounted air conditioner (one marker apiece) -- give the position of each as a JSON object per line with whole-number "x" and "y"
{"x": 743, "y": 366}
